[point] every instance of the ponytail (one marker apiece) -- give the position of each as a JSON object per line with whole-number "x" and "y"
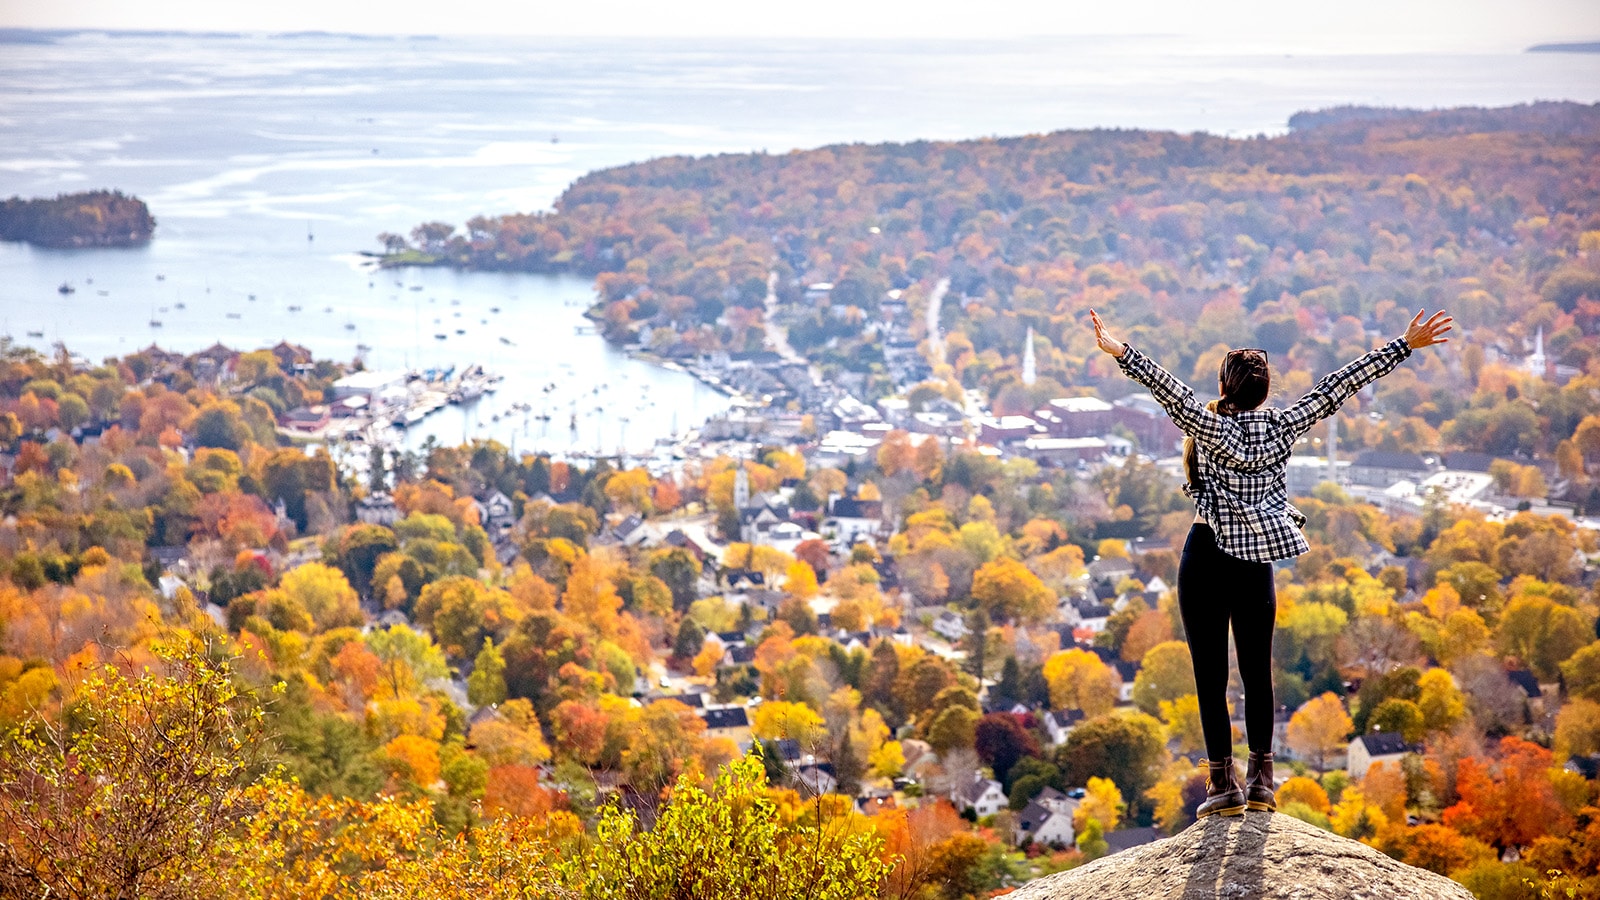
{"x": 1244, "y": 380}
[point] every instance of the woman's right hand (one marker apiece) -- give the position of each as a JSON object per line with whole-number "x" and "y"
{"x": 1114, "y": 347}
{"x": 1422, "y": 334}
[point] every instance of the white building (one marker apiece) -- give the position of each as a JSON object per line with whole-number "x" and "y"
{"x": 983, "y": 796}
{"x": 1379, "y": 746}
{"x": 1047, "y": 820}
{"x": 950, "y": 626}
{"x": 1059, "y": 723}
{"x": 370, "y": 384}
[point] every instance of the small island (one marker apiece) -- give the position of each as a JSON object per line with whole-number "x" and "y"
{"x": 89, "y": 219}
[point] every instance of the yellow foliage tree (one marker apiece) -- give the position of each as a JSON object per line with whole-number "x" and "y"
{"x": 1009, "y": 592}
{"x": 1102, "y": 803}
{"x": 888, "y": 760}
{"x": 1319, "y": 727}
{"x": 1182, "y": 717}
{"x": 1304, "y": 790}
{"x": 590, "y": 598}
{"x": 1441, "y": 702}
{"x": 777, "y": 719}
{"x": 323, "y": 592}
{"x": 1079, "y": 680}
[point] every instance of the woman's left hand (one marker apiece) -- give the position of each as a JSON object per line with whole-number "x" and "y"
{"x": 1114, "y": 347}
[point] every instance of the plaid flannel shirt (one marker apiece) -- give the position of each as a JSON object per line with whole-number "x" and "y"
{"x": 1243, "y": 458}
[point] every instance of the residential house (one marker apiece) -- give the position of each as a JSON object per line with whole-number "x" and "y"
{"x": 215, "y": 364}
{"x": 1058, "y": 723}
{"x": 981, "y": 795}
{"x": 496, "y": 513}
{"x": 1379, "y": 746}
{"x": 817, "y": 779}
{"x": 950, "y": 626}
{"x": 872, "y": 801}
{"x": 1108, "y": 572}
{"x": 693, "y": 701}
{"x": 1040, "y": 824}
{"x": 1587, "y": 766}
{"x": 1127, "y": 671}
{"x": 1093, "y": 616}
{"x": 630, "y": 532}
{"x": 376, "y": 510}
{"x": 730, "y": 722}
{"x": 306, "y": 418}
{"x": 850, "y": 520}
{"x": 920, "y": 759}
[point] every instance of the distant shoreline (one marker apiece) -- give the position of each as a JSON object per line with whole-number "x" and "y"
{"x": 1569, "y": 47}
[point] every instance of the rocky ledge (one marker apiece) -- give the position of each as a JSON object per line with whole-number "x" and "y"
{"x": 1257, "y": 856}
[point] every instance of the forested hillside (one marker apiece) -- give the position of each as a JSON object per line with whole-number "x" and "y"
{"x": 1306, "y": 244}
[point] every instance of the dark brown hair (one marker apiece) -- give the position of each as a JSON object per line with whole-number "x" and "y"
{"x": 1245, "y": 382}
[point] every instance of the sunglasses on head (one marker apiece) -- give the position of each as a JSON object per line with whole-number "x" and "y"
{"x": 1243, "y": 350}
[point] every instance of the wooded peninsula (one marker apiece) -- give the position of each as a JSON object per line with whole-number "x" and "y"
{"x": 89, "y": 219}
{"x": 1303, "y": 244}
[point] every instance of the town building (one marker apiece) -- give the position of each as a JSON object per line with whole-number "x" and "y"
{"x": 1379, "y": 746}
{"x": 1382, "y": 468}
{"x": 981, "y": 795}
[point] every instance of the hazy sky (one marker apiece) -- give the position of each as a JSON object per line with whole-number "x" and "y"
{"x": 1376, "y": 25}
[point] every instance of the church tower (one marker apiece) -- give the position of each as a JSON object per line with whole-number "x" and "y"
{"x": 741, "y": 487}
{"x": 1029, "y": 369}
{"x": 1537, "y": 362}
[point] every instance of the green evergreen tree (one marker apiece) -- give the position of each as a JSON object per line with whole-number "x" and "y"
{"x": 847, "y": 767}
{"x": 690, "y": 639}
{"x": 1009, "y": 689}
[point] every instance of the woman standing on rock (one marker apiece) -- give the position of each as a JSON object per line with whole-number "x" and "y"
{"x": 1235, "y": 459}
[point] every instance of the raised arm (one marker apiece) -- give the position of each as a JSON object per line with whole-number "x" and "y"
{"x": 1325, "y": 398}
{"x": 1219, "y": 434}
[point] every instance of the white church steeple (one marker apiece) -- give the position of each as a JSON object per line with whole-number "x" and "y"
{"x": 1029, "y": 370}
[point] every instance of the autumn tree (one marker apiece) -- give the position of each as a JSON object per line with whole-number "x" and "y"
{"x": 1319, "y": 727}
{"x": 462, "y": 612}
{"x": 1079, "y": 680}
{"x": 1009, "y": 592}
{"x": 139, "y": 787}
{"x": 486, "y": 686}
{"x": 1582, "y": 672}
{"x": 1102, "y": 803}
{"x": 1129, "y": 749}
{"x": 1509, "y": 801}
{"x": 1166, "y": 673}
{"x": 1001, "y": 741}
{"x": 324, "y": 593}
{"x": 1542, "y": 633}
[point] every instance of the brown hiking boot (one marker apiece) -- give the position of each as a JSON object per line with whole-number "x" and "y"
{"x": 1260, "y": 792}
{"x": 1223, "y": 794}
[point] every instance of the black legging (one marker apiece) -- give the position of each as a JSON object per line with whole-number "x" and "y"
{"x": 1213, "y": 589}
